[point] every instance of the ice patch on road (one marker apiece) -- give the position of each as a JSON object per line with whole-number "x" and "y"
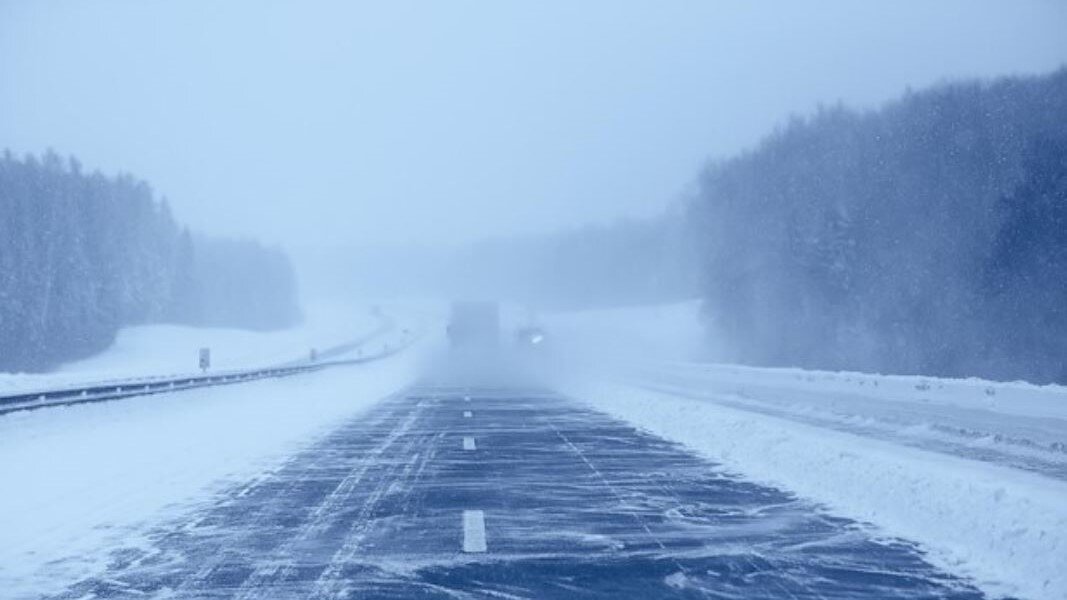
{"x": 677, "y": 580}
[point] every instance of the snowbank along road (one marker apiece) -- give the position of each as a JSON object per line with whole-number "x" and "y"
{"x": 455, "y": 492}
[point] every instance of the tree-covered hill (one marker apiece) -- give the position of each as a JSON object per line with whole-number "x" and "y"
{"x": 925, "y": 237}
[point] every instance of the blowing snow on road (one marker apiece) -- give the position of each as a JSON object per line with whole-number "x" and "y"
{"x": 533, "y": 300}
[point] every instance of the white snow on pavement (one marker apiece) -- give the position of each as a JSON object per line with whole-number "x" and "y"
{"x": 1004, "y": 528}
{"x": 81, "y": 479}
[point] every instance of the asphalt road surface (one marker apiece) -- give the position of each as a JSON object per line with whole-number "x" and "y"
{"x": 455, "y": 492}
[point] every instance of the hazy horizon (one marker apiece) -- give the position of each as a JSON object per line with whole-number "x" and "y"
{"x": 329, "y": 124}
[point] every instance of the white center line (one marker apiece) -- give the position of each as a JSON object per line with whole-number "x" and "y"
{"x": 467, "y": 414}
{"x": 474, "y": 531}
{"x": 468, "y": 443}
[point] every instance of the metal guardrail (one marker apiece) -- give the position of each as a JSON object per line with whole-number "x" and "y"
{"x": 143, "y": 386}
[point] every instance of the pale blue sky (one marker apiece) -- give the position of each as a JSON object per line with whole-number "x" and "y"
{"x": 348, "y": 123}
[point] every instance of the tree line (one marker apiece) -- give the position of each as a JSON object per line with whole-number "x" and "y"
{"x": 83, "y": 254}
{"x": 928, "y": 237}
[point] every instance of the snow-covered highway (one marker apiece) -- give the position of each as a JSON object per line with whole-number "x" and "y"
{"x": 554, "y": 501}
{"x": 588, "y": 473}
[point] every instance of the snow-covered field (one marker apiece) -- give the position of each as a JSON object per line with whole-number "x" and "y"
{"x": 155, "y": 350}
{"x": 974, "y": 471}
{"x": 79, "y": 480}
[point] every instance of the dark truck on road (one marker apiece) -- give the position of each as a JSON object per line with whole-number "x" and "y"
{"x": 474, "y": 325}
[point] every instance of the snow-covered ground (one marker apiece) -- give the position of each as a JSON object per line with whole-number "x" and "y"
{"x": 153, "y": 349}
{"x": 1013, "y": 424}
{"x": 159, "y": 350}
{"x": 974, "y": 471}
{"x": 79, "y": 480}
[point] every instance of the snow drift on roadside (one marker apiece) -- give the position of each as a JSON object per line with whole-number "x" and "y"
{"x": 81, "y": 479}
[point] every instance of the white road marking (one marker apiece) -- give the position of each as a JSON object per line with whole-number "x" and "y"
{"x": 466, "y": 398}
{"x": 467, "y": 414}
{"x": 474, "y": 531}
{"x": 468, "y": 443}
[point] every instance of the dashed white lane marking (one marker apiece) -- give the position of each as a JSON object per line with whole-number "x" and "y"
{"x": 466, "y": 398}
{"x": 474, "y": 531}
{"x": 467, "y": 414}
{"x": 468, "y": 443}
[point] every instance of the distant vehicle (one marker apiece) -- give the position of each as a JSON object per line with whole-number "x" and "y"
{"x": 474, "y": 325}
{"x": 530, "y": 336}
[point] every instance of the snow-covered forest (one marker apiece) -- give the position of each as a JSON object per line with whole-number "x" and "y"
{"x": 928, "y": 237}
{"x": 83, "y": 254}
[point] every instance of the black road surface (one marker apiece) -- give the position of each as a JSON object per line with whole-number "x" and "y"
{"x": 452, "y": 492}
